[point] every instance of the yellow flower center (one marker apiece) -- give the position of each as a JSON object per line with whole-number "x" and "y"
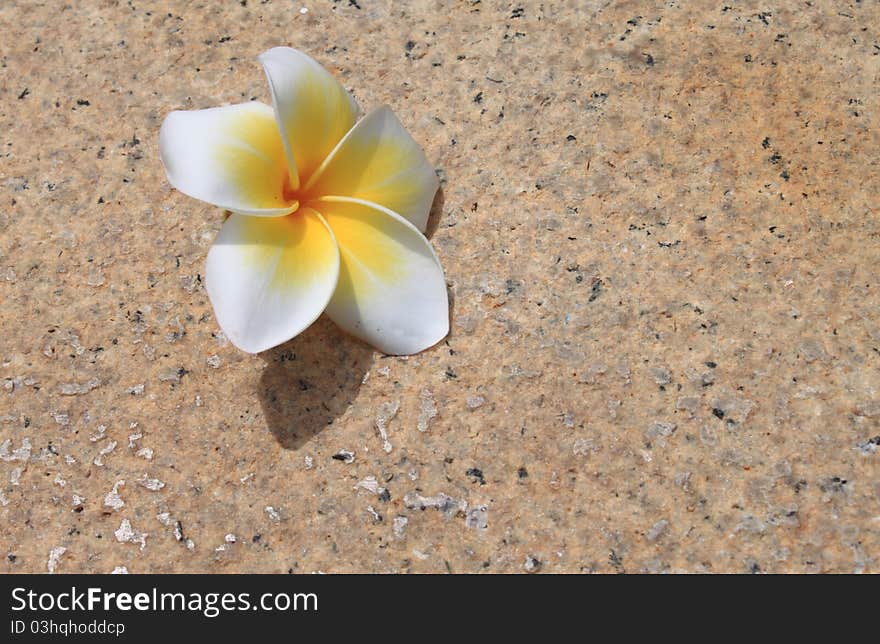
{"x": 291, "y": 196}
{"x": 295, "y": 198}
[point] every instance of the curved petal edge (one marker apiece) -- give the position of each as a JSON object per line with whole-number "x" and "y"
{"x": 313, "y": 110}
{"x": 269, "y": 279}
{"x": 231, "y": 157}
{"x": 379, "y": 161}
{"x": 391, "y": 291}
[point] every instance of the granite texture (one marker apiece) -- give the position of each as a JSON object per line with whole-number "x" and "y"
{"x": 658, "y": 222}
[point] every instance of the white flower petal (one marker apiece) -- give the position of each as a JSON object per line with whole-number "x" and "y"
{"x": 232, "y": 157}
{"x": 313, "y": 110}
{"x": 379, "y": 161}
{"x": 391, "y": 291}
{"x": 269, "y": 279}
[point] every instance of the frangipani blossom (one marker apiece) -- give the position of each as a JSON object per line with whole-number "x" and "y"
{"x": 327, "y": 213}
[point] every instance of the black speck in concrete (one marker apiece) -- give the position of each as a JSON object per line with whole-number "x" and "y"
{"x": 533, "y": 564}
{"x": 616, "y": 561}
{"x": 833, "y": 484}
{"x": 477, "y": 475}
{"x": 385, "y": 496}
{"x": 522, "y": 473}
{"x": 711, "y": 364}
{"x": 766, "y": 142}
{"x": 718, "y": 413}
{"x": 595, "y": 290}
{"x": 24, "y": 93}
{"x": 571, "y": 137}
{"x": 649, "y": 60}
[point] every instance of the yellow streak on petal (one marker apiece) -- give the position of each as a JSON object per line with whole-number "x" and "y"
{"x": 314, "y": 111}
{"x": 250, "y": 153}
{"x": 378, "y": 161}
{"x": 369, "y": 256}
{"x": 370, "y": 167}
{"x": 295, "y": 249}
{"x": 322, "y": 117}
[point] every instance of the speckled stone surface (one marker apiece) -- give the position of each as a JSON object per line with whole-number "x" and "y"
{"x": 659, "y": 227}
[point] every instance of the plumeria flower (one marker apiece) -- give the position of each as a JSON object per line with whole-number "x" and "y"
{"x": 326, "y": 213}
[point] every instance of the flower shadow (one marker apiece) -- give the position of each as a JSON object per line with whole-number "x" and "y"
{"x": 311, "y": 381}
{"x": 436, "y": 214}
